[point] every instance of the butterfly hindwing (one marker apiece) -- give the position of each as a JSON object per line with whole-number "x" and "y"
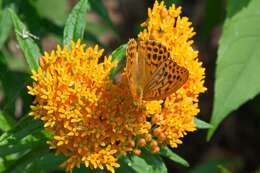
{"x": 168, "y": 78}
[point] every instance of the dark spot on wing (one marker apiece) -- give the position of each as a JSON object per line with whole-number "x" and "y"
{"x": 154, "y": 56}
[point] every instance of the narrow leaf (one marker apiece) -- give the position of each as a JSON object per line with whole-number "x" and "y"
{"x": 46, "y": 161}
{"x": 14, "y": 145}
{"x": 119, "y": 56}
{"x": 21, "y": 129}
{"x": 37, "y": 160}
{"x": 237, "y": 64}
{"x": 76, "y": 23}
{"x": 119, "y": 53}
{"x": 166, "y": 152}
{"x": 202, "y": 124}
{"x": 6, "y": 23}
{"x": 28, "y": 46}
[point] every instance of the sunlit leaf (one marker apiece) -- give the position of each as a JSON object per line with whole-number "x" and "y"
{"x": 166, "y": 152}
{"x": 76, "y": 23}
{"x": 28, "y": 46}
{"x": 200, "y": 124}
{"x": 237, "y": 64}
{"x": 119, "y": 56}
{"x": 119, "y": 53}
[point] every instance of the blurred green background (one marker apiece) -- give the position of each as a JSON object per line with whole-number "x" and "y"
{"x": 235, "y": 146}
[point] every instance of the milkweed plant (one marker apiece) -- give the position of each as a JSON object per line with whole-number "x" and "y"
{"x": 82, "y": 115}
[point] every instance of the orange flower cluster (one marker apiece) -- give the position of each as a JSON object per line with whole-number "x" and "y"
{"x": 166, "y": 25}
{"x": 92, "y": 120}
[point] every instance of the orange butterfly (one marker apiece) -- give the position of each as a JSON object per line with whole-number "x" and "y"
{"x": 151, "y": 72}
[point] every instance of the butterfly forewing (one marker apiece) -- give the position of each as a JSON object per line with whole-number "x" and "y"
{"x": 131, "y": 65}
{"x": 153, "y": 53}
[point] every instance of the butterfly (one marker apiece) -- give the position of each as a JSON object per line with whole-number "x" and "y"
{"x": 152, "y": 74}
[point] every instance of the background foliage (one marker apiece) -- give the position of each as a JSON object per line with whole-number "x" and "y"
{"x": 227, "y": 33}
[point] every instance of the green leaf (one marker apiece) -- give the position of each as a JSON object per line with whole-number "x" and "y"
{"x": 99, "y": 7}
{"x": 146, "y": 163}
{"x": 6, "y": 23}
{"x": 6, "y": 122}
{"x": 119, "y": 56}
{"x": 223, "y": 169}
{"x": 166, "y": 152}
{"x": 234, "y": 6}
{"x": 202, "y": 124}
{"x": 237, "y": 64}
{"x": 76, "y": 23}
{"x": 154, "y": 160}
{"x": 46, "y": 162}
{"x": 37, "y": 160}
{"x": 25, "y": 126}
{"x": 14, "y": 145}
{"x": 119, "y": 53}
{"x": 28, "y": 46}
{"x": 24, "y": 144}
